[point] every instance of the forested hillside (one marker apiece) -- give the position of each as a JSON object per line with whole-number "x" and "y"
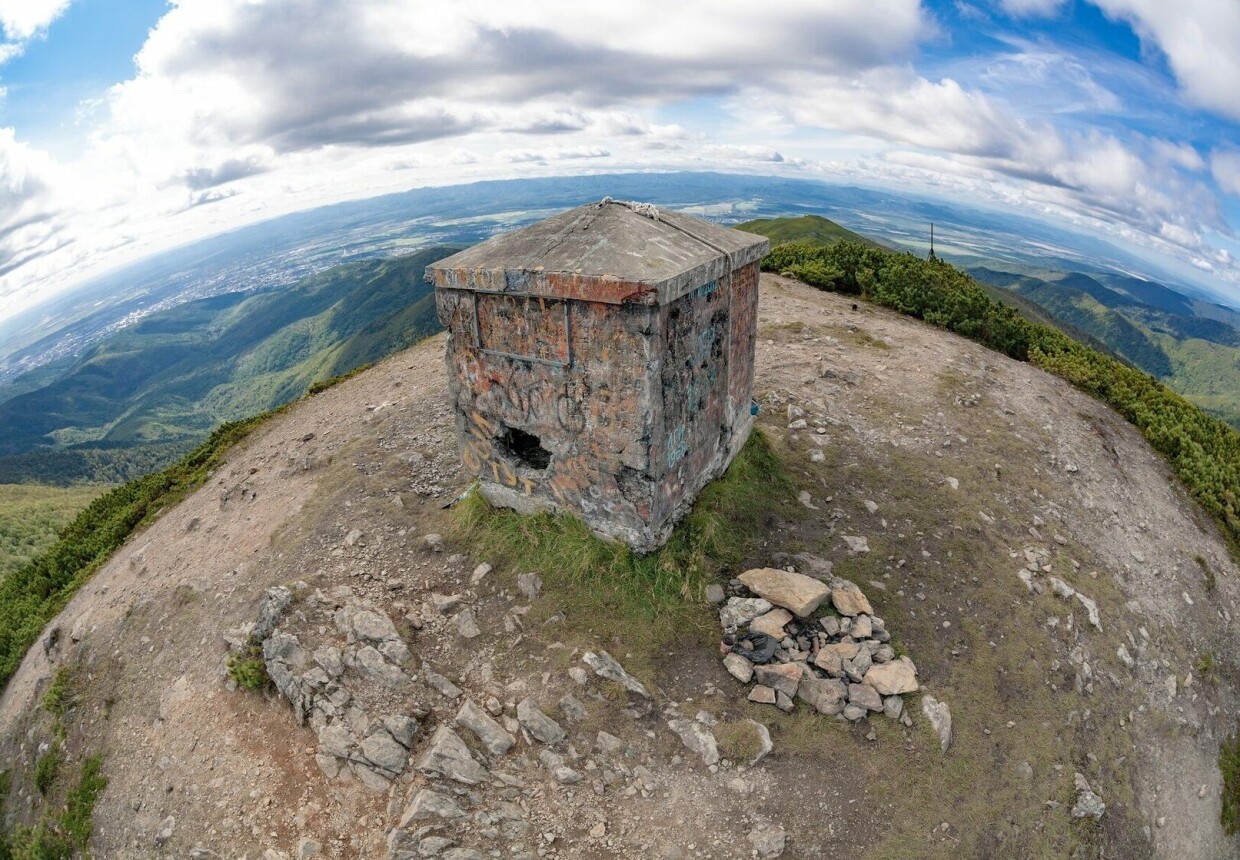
{"x": 149, "y": 393}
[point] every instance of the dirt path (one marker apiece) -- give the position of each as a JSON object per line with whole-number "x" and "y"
{"x": 969, "y": 458}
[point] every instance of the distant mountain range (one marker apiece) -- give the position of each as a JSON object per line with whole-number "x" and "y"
{"x": 152, "y": 389}
{"x": 1191, "y": 345}
{"x": 127, "y": 372}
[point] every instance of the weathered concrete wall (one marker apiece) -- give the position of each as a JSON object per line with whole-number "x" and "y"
{"x": 709, "y": 337}
{"x": 636, "y": 406}
{"x": 594, "y": 417}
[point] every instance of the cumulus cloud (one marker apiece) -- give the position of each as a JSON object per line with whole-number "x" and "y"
{"x": 1199, "y": 39}
{"x": 241, "y": 109}
{"x": 24, "y": 19}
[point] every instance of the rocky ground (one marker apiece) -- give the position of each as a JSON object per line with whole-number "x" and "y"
{"x": 1059, "y": 596}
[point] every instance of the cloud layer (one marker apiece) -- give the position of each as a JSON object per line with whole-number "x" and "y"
{"x": 258, "y": 107}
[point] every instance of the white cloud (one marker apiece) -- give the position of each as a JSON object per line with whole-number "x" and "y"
{"x": 24, "y": 19}
{"x": 1225, "y": 165}
{"x": 1029, "y": 8}
{"x": 1201, "y": 39}
{"x": 246, "y": 109}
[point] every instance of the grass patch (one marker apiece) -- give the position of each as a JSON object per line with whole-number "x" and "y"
{"x": 59, "y": 697}
{"x": 1229, "y": 764}
{"x": 738, "y": 740}
{"x": 248, "y": 670}
{"x": 66, "y": 836}
{"x": 32, "y": 595}
{"x": 612, "y": 594}
{"x": 47, "y": 768}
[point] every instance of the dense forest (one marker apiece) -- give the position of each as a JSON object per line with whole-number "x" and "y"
{"x": 150, "y": 393}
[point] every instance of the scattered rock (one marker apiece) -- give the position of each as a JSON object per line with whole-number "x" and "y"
{"x": 762, "y": 695}
{"x": 738, "y": 667}
{"x": 448, "y": 756}
{"x": 165, "y": 831}
{"x": 562, "y": 773}
{"x": 781, "y": 677}
{"x": 530, "y": 585}
{"x": 864, "y": 696}
{"x": 480, "y": 573}
{"x": 606, "y": 666}
{"x": 768, "y": 841}
{"x": 940, "y": 717}
{"x": 1024, "y": 770}
{"x": 739, "y": 611}
{"x": 772, "y": 623}
{"x": 434, "y": 542}
{"x": 490, "y": 733}
{"x": 438, "y": 682}
{"x": 795, "y": 592}
{"x": 573, "y": 708}
{"x": 848, "y": 599}
{"x": 697, "y": 738}
{"x": 857, "y": 544}
{"x": 467, "y": 624}
{"x": 715, "y": 593}
{"x": 538, "y": 724}
{"x": 428, "y": 805}
{"x": 1088, "y": 804}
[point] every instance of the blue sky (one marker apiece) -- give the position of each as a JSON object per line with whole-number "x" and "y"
{"x": 131, "y": 126}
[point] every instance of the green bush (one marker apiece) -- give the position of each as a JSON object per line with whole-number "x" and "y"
{"x": 248, "y": 671}
{"x": 1203, "y": 451}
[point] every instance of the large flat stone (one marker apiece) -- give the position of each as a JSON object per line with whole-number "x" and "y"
{"x": 893, "y": 678}
{"x": 797, "y": 593}
{"x": 848, "y": 599}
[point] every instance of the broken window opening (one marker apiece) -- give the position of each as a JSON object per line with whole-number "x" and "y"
{"x": 526, "y": 447}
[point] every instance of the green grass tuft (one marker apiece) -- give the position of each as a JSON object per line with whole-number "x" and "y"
{"x": 248, "y": 671}
{"x": 59, "y": 697}
{"x": 60, "y": 838}
{"x": 47, "y": 767}
{"x": 611, "y": 593}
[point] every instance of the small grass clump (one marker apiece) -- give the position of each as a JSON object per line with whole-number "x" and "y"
{"x": 248, "y": 670}
{"x": 59, "y": 697}
{"x": 1229, "y": 764}
{"x": 1207, "y": 572}
{"x": 609, "y": 592}
{"x": 47, "y": 767}
{"x": 739, "y": 741}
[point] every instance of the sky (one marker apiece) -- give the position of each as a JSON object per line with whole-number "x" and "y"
{"x": 131, "y": 126}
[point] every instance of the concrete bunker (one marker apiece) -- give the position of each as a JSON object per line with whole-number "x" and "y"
{"x": 601, "y": 362}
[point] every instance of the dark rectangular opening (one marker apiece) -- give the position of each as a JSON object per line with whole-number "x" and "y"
{"x": 525, "y": 447}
